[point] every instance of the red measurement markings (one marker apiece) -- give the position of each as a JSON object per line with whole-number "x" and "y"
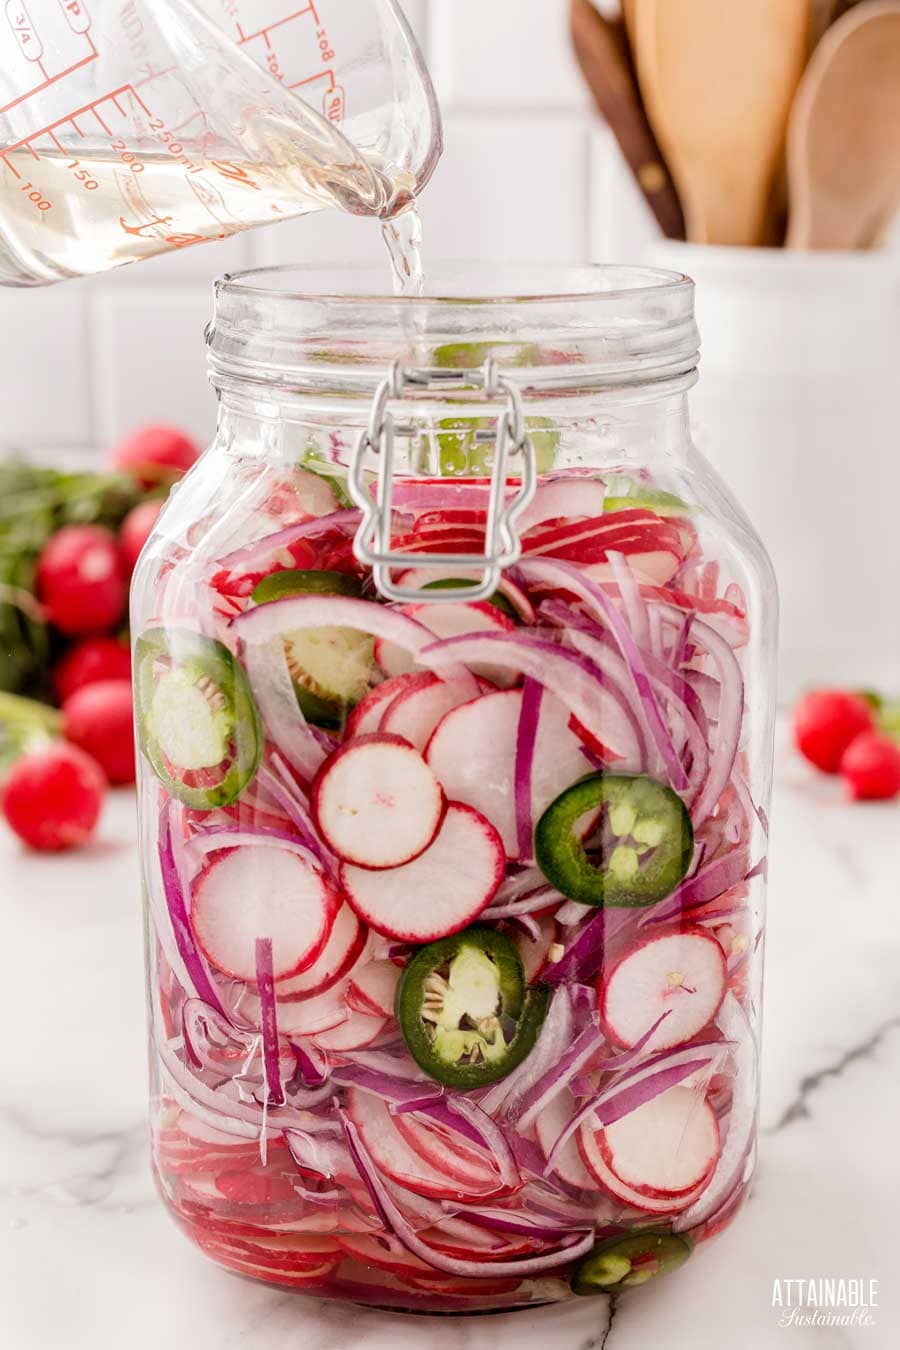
{"x": 50, "y": 79}
{"x": 24, "y": 31}
{"x": 270, "y": 28}
{"x": 76, "y": 15}
{"x": 70, "y": 119}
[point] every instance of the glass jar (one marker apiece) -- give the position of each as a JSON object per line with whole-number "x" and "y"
{"x": 454, "y": 867}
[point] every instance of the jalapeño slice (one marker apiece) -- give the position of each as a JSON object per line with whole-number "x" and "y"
{"x": 637, "y": 853}
{"x": 196, "y": 718}
{"x": 329, "y": 666}
{"x": 624, "y": 1262}
{"x": 464, "y": 1011}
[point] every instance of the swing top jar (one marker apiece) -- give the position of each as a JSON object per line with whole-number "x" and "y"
{"x": 454, "y": 686}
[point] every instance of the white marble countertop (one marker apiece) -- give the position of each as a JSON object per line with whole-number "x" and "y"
{"x": 89, "y": 1261}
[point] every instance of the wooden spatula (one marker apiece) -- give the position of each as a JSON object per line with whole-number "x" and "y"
{"x": 601, "y": 46}
{"x": 718, "y": 78}
{"x": 844, "y": 139}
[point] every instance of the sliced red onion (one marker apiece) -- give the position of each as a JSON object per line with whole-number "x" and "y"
{"x": 584, "y": 955}
{"x": 394, "y": 1066}
{"x": 530, "y": 927}
{"x": 518, "y": 909}
{"x": 711, "y": 881}
{"x": 525, "y": 1111}
{"x": 525, "y": 881}
{"x": 312, "y": 1064}
{"x": 247, "y": 836}
{"x": 206, "y": 1030}
{"x": 632, "y": 600}
{"x": 597, "y": 703}
{"x": 553, "y": 1040}
{"x": 273, "y": 689}
{"x": 178, "y": 917}
{"x": 399, "y": 1092}
{"x": 731, "y": 711}
{"x": 570, "y": 578}
{"x": 491, "y": 1135}
{"x": 250, "y": 555}
{"x": 728, "y": 1176}
{"x": 393, "y": 1218}
{"x": 290, "y": 803}
{"x": 326, "y": 1155}
{"x": 634, "y": 1089}
{"x": 526, "y": 735}
{"x": 268, "y": 1017}
{"x": 525, "y": 1225}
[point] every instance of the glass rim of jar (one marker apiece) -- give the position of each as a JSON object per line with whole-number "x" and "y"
{"x": 337, "y": 329}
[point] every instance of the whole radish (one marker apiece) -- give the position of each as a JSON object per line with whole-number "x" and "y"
{"x": 870, "y": 768}
{"x": 826, "y": 722}
{"x": 92, "y": 659}
{"x": 52, "y": 797}
{"x": 135, "y": 530}
{"x": 98, "y": 719}
{"x": 80, "y": 580}
{"x": 156, "y": 454}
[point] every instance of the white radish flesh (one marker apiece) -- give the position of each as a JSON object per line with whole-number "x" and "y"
{"x": 682, "y": 974}
{"x": 439, "y": 892}
{"x": 665, "y": 1148}
{"x": 548, "y": 1126}
{"x": 473, "y": 754}
{"x": 376, "y": 802}
{"x": 247, "y": 893}
{"x": 373, "y": 988}
{"x": 417, "y": 709}
{"x": 366, "y": 716}
{"x": 449, "y": 619}
{"x": 358, "y": 1031}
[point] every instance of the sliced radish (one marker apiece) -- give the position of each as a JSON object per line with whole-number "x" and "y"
{"x": 536, "y": 954}
{"x": 304, "y": 1017}
{"x": 358, "y": 1031}
{"x": 396, "y": 1160}
{"x": 683, "y": 974}
{"x": 376, "y": 802}
{"x": 366, "y": 716}
{"x": 449, "y": 619}
{"x": 373, "y": 987}
{"x": 678, "y": 1141}
{"x": 548, "y": 1126}
{"x": 438, "y": 893}
{"x": 473, "y": 754}
{"x": 344, "y": 945}
{"x": 368, "y": 1250}
{"x": 457, "y": 1237}
{"x": 420, "y": 706}
{"x": 438, "y": 1148}
{"x": 665, "y": 1148}
{"x": 245, "y": 893}
{"x": 415, "y": 578}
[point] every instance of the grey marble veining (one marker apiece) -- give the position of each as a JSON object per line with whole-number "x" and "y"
{"x": 90, "y": 1261}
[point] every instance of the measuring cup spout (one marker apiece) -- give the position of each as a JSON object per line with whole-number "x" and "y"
{"x": 130, "y": 127}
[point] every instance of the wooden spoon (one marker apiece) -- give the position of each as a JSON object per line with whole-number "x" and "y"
{"x": 718, "y": 78}
{"x": 601, "y": 46}
{"x": 844, "y": 139}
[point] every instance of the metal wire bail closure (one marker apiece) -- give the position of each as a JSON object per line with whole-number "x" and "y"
{"x": 502, "y": 546}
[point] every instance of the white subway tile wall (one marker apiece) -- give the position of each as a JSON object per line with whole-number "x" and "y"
{"x": 528, "y": 173}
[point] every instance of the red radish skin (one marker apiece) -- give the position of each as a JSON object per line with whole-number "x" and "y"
{"x": 135, "y": 530}
{"x": 473, "y": 754}
{"x": 340, "y": 953}
{"x": 435, "y": 1148}
{"x": 449, "y": 620}
{"x": 80, "y": 580}
{"x": 870, "y": 768}
{"x": 53, "y": 796}
{"x": 826, "y": 722}
{"x": 376, "y": 802}
{"x": 441, "y": 891}
{"x": 156, "y": 454}
{"x": 593, "y": 1160}
{"x": 99, "y": 720}
{"x": 292, "y": 903}
{"x": 665, "y": 1149}
{"x": 366, "y": 716}
{"x": 373, "y": 988}
{"x": 682, "y": 973}
{"x": 397, "y": 1161}
{"x": 422, "y": 704}
{"x": 92, "y": 659}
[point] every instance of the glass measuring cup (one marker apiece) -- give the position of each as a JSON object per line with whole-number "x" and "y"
{"x": 130, "y": 127}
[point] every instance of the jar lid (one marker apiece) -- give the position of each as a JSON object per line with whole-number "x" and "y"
{"x": 339, "y": 328}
